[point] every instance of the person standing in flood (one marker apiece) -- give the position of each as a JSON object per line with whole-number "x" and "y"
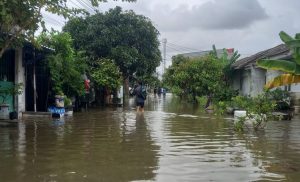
{"x": 140, "y": 96}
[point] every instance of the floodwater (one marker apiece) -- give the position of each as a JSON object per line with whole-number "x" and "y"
{"x": 171, "y": 141}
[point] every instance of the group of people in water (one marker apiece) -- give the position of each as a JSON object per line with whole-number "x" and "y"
{"x": 140, "y": 93}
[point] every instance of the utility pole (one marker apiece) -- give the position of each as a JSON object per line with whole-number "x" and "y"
{"x": 164, "y": 41}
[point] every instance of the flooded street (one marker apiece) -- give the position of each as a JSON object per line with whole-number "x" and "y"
{"x": 171, "y": 141}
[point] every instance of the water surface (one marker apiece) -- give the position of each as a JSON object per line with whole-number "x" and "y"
{"x": 171, "y": 141}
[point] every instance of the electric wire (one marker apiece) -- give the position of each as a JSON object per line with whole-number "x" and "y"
{"x": 74, "y": 4}
{"x": 88, "y": 4}
{"x": 183, "y": 47}
{"x": 89, "y": 9}
{"x": 176, "y": 49}
{"x": 51, "y": 20}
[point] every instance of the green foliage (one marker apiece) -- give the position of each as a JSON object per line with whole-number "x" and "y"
{"x": 290, "y": 66}
{"x": 66, "y": 66}
{"x": 202, "y": 101}
{"x": 106, "y": 73}
{"x": 227, "y": 61}
{"x": 130, "y": 40}
{"x": 20, "y": 19}
{"x": 67, "y": 101}
{"x": 220, "y": 107}
{"x": 149, "y": 80}
{"x": 199, "y": 77}
{"x": 16, "y": 89}
{"x": 281, "y": 98}
{"x": 259, "y": 109}
{"x": 225, "y": 94}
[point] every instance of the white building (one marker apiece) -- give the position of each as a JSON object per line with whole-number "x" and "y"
{"x": 250, "y": 80}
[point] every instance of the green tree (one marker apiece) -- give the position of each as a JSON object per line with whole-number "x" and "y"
{"x": 20, "y": 19}
{"x": 292, "y": 67}
{"x": 196, "y": 77}
{"x": 65, "y": 65}
{"x": 106, "y": 73}
{"x": 227, "y": 61}
{"x": 130, "y": 40}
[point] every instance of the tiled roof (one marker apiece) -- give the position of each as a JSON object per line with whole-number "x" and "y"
{"x": 279, "y": 50}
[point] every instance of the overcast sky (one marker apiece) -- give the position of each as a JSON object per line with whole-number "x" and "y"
{"x": 248, "y": 26}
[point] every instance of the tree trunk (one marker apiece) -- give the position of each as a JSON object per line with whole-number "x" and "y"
{"x": 208, "y": 102}
{"x": 126, "y": 87}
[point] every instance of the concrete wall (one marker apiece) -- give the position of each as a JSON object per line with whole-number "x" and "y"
{"x": 249, "y": 81}
{"x": 19, "y": 78}
{"x": 258, "y": 81}
{"x": 246, "y": 82}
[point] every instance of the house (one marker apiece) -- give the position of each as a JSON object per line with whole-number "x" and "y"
{"x": 250, "y": 80}
{"x": 26, "y": 65}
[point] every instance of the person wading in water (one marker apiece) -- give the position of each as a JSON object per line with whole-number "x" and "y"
{"x": 140, "y": 96}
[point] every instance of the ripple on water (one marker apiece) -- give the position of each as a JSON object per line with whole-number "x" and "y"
{"x": 171, "y": 141}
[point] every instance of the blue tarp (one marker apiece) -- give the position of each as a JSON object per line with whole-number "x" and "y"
{"x": 57, "y": 110}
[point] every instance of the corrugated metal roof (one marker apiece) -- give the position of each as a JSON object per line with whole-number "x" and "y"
{"x": 281, "y": 50}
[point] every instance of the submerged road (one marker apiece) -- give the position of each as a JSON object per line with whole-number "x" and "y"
{"x": 171, "y": 141}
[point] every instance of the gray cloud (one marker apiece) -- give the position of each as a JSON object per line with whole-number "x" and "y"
{"x": 249, "y": 26}
{"x": 218, "y": 14}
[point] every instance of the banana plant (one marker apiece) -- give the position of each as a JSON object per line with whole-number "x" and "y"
{"x": 290, "y": 67}
{"x": 227, "y": 62}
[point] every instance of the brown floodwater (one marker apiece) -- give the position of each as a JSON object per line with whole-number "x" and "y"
{"x": 171, "y": 141}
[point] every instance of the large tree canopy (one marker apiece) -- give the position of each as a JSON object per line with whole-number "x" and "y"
{"x": 21, "y": 18}
{"x": 130, "y": 40}
{"x": 198, "y": 76}
{"x": 201, "y": 76}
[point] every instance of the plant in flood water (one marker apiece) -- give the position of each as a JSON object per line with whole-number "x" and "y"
{"x": 258, "y": 110}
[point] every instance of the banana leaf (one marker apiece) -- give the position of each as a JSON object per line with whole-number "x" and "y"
{"x": 281, "y": 80}
{"x": 285, "y": 37}
{"x": 281, "y": 65}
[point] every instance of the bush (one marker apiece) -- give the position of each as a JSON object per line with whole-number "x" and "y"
{"x": 259, "y": 109}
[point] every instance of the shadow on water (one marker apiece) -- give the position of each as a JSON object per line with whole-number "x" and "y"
{"x": 171, "y": 141}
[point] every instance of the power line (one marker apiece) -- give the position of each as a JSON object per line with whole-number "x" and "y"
{"x": 85, "y": 6}
{"x": 176, "y": 49}
{"x": 183, "y": 47}
{"x": 51, "y": 20}
{"x": 74, "y": 4}
{"x": 88, "y": 3}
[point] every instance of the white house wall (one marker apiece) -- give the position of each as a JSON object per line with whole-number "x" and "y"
{"x": 19, "y": 78}
{"x": 250, "y": 81}
{"x": 246, "y": 82}
{"x": 258, "y": 81}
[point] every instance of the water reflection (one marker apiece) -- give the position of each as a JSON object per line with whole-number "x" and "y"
{"x": 171, "y": 141}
